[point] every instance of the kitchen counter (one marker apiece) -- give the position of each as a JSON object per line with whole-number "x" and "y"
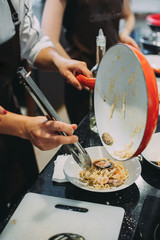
{"x": 131, "y": 198}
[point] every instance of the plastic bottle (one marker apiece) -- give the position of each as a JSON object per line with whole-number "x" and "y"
{"x": 100, "y": 51}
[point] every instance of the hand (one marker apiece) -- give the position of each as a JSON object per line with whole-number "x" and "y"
{"x": 49, "y": 59}
{"x": 126, "y": 39}
{"x": 43, "y": 133}
{"x": 69, "y": 69}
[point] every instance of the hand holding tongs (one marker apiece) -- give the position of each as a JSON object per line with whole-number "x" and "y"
{"x": 78, "y": 152}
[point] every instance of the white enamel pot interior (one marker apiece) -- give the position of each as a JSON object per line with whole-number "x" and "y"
{"x": 126, "y": 101}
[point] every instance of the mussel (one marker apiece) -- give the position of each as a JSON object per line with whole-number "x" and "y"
{"x": 103, "y": 163}
{"x": 107, "y": 139}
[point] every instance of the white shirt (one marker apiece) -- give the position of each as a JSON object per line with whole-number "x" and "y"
{"x": 32, "y": 39}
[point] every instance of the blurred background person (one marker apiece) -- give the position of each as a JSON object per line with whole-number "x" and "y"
{"x": 81, "y": 21}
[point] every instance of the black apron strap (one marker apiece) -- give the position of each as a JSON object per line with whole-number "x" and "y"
{"x": 14, "y": 14}
{"x": 17, "y": 88}
{"x": 16, "y": 22}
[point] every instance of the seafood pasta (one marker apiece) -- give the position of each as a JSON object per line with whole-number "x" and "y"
{"x": 113, "y": 174}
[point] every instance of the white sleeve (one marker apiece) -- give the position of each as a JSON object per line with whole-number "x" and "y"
{"x": 32, "y": 39}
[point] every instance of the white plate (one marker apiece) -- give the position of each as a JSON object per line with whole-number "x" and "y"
{"x": 152, "y": 151}
{"x": 154, "y": 61}
{"x": 72, "y": 170}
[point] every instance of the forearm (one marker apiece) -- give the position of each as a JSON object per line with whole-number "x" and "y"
{"x": 129, "y": 18}
{"x": 52, "y": 23}
{"x": 61, "y": 50}
{"x": 129, "y": 25}
{"x": 13, "y": 124}
{"x": 124, "y": 34}
{"x": 38, "y": 130}
{"x": 46, "y": 59}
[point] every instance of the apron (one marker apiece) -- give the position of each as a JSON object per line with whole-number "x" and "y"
{"x": 82, "y": 20}
{"x": 18, "y": 167}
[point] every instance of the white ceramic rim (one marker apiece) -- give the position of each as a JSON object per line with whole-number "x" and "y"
{"x": 152, "y": 151}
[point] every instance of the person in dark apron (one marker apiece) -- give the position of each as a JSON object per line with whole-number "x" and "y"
{"x": 82, "y": 20}
{"x": 92, "y": 15}
{"x": 18, "y": 167}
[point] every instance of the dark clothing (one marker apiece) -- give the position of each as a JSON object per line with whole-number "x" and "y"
{"x": 82, "y": 20}
{"x": 18, "y": 168}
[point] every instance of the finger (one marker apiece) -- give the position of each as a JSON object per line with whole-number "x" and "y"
{"x": 57, "y": 126}
{"x": 56, "y": 140}
{"x": 133, "y": 43}
{"x": 82, "y": 86}
{"x": 60, "y": 139}
{"x": 71, "y": 79}
{"x": 83, "y": 69}
{"x": 136, "y": 46}
{"x": 74, "y": 126}
{"x": 2, "y": 110}
{"x": 87, "y": 88}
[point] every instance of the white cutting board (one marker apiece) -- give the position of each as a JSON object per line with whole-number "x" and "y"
{"x": 36, "y": 218}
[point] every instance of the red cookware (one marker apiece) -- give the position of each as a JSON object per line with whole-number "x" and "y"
{"x": 154, "y": 19}
{"x": 154, "y": 61}
{"x": 151, "y": 41}
{"x": 126, "y": 101}
{"x": 88, "y": 82}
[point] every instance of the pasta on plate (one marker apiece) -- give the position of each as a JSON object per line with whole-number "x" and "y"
{"x": 105, "y": 178}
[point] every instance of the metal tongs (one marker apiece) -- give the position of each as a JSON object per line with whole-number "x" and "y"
{"x": 79, "y": 154}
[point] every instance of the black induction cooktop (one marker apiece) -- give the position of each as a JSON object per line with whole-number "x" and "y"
{"x": 148, "y": 227}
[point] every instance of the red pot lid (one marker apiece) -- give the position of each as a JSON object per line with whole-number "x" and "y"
{"x": 154, "y": 19}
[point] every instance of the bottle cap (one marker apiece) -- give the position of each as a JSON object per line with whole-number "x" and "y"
{"x": 101, "y": 39}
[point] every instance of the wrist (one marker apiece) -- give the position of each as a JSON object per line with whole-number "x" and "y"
{"x": 13, "y": 124}
{"x": 124, "y": 32}
{"x": 46, "y": 59}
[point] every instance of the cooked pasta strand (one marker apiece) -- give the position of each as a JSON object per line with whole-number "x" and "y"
{"x": 105, "y": 178}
